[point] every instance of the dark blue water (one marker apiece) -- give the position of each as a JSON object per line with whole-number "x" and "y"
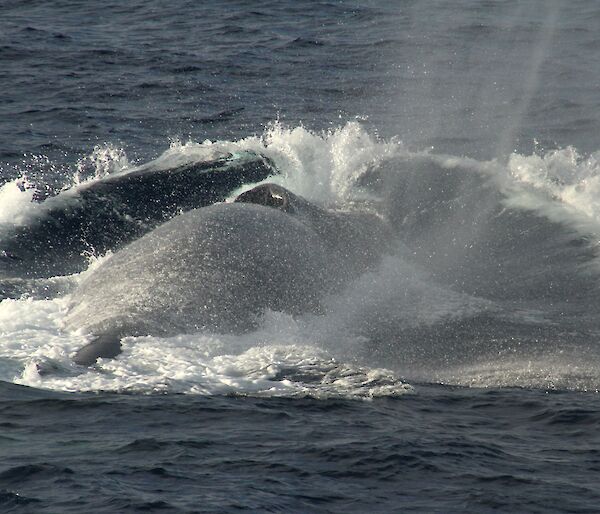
{"x": 441, "y": 450}
{"x": 458, "y": 77}
{"x": 494, "y": 324}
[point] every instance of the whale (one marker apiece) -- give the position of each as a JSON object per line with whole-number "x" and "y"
{"x": 221, "y": 267}
{"x": 106, "y": 214}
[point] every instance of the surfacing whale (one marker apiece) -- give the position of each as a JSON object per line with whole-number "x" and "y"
{"x": 220, "y": 267}
{"x": 108, "y": 213}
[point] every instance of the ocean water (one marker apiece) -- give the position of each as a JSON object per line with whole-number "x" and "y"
{"x": 459, "y": 373}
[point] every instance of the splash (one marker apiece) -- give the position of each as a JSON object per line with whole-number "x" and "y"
{"x": 562, "y": 184}
{"x": 33, "y": 345}
{"x": 103, "y": 161}
{"x": 19, "y": 203}
{"x": 322, "y": 167}
{"x": 14, "y": 202}
{"x": 405, "y": 310}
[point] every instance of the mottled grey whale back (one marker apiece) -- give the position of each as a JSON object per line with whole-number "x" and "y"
{"x": 220, "y": 267}
{"x": 214, "y": 268}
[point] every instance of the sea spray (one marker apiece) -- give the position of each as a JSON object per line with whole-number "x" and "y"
{"x": 394, "y": 316}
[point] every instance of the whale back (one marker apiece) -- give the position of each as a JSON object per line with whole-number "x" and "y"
{"x": 108, "y": 213}
{"x": 217, "y": 268}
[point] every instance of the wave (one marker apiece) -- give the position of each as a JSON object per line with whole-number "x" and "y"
{"x": 493, "y": 280}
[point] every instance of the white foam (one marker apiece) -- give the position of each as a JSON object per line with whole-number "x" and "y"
{"x": 319, "y": 166}
{"x": 322, "y": 167}
{"x": 277, "y": 360}
{"x": 15, "y": 203}
{"x": 561, "y": 184}
{"x": 205, "y": 364}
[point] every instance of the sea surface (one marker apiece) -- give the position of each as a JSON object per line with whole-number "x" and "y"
{"x": 459, "y": 374}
